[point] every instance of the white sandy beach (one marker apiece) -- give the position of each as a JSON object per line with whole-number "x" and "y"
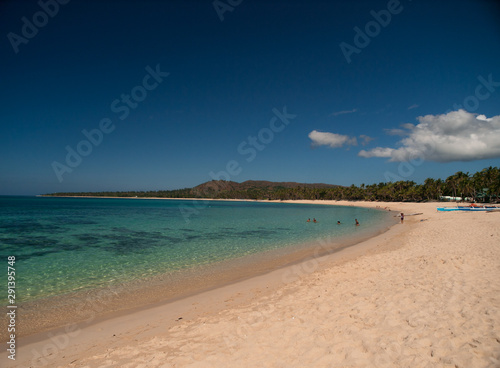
{"x": 424, "y": 294}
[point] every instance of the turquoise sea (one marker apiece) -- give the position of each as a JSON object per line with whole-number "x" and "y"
{"x": 63, "y": 245}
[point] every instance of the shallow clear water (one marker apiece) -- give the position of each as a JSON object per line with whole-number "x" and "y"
{"x": 67, "y": 244}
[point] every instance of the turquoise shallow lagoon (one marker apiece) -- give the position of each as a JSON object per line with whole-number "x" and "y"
{"x": 63, "y": 245}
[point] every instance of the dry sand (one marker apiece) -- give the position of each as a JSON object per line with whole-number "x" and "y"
{"x": 424, "y": 294}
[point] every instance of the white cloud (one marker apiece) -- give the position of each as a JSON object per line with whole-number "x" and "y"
{"x": 414, "y": 106}
{"x": 455, "y": 136}
{"x": 331, "y": 139}
{"x": 377, "y": 152}
{"x": 408, "y": 126}
{"x": 483, "y": 117}
{"x": 343, "y": 112}
{"x": 400, "y": 132}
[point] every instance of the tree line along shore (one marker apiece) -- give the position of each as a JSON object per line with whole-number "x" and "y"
{"x": 482, "y": 186}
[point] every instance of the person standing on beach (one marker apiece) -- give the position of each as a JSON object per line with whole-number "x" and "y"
{"x": 402, "y": 217}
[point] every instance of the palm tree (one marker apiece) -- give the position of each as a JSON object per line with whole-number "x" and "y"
{"x": 463, "y": 183}
{"x": 494, "y": 186}
{"x": 452, "y": 184}
{"x": 490, "y": 182}
{"x": 430, "y": 189}
{"x": 480, "y": 186}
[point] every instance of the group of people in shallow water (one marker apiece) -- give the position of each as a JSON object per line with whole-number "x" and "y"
{"x": 338, "y": 222}
{"x": 401, "y": 216}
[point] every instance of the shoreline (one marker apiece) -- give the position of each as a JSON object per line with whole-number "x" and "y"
{"x": 182, "y": 319}
{"x": 50, "y": 313}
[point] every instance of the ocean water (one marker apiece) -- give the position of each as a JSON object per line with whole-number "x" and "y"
{"x": 64, "y": 245}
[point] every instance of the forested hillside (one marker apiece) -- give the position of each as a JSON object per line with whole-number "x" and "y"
{"x": 482, "y": 186}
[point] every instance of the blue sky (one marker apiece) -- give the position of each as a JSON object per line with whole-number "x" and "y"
{"x": 225, "y": 78}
